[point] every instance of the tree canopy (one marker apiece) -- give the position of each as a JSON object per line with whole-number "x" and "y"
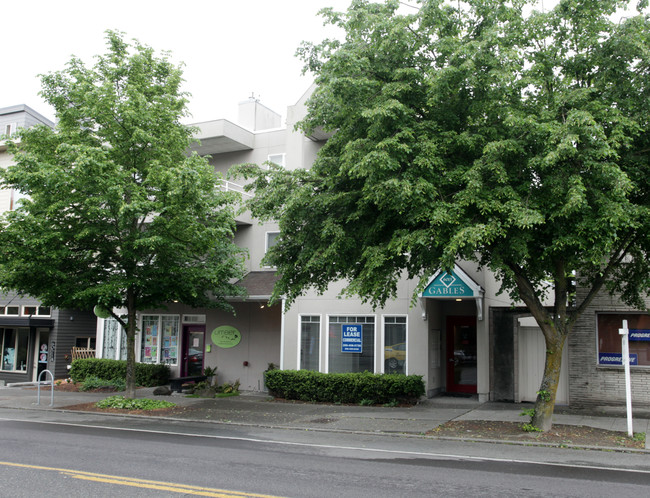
{"x": 117, "y": 213}
{"x": 482, "y": 130}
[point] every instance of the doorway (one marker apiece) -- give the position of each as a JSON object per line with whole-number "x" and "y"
{"x": 531, "y": 360}
{"x": 41, "y": 352}
{"x": 193, "y": 350}
{"x": 461, "y": 354}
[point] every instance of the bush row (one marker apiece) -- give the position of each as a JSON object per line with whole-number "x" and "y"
{"x": 355, "y": 388}
{"x": 146, "y": 374}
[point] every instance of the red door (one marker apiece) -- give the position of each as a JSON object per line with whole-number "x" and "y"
{"x": 193, "y": 347}
{"x": 461, "y": 354}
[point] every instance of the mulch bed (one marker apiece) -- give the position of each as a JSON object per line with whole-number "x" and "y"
{"x": 564, "y": 435}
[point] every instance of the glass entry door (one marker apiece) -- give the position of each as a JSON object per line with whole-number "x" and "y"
{"x": 461, "y": 354}
{"x": 193, "y": 347}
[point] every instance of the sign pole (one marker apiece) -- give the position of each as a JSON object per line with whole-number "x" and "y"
{"x": 625, "y": 357}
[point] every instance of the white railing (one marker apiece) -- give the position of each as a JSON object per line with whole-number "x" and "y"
{"x": 234, "y": 187}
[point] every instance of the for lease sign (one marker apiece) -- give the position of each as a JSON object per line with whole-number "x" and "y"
{"x": 351, "y": 338}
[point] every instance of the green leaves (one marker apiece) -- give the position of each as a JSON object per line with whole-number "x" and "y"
{"x": 520, "y": 140}
{"x": 115, "y": 204}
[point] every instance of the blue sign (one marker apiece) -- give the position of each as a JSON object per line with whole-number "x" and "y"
{"x": 639, "y": 335}
{"x": 615, "y": 359}
{"x": 351, "y": 338}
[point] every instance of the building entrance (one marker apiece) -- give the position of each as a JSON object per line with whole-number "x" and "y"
{"x": 193, "y": 349}
{"x": 461, "y": 354}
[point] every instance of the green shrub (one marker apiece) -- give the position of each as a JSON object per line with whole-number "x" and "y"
{"x": 355, "y": 388}
{"x": 133, "y": 404}
{"x": 97, "y": 383}
{"x": 146, "y": 374}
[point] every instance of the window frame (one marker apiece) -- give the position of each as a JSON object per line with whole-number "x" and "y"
{"x": 320, "y": 338}
{"x": 624, "y": 315}
{"x": 120, "y": 339}
{"x": 9, "y": 130}
{"x": 281, "y": 155}
{"x": 16, "y": 348}
{"x": 4, "y": 309}
{"x": 87, "y": 340}
{"x": 327, "y": 341}
{"x": 383, "y": 339}
{"x": 160, "y": 335}
{"x": 37, "y": 310}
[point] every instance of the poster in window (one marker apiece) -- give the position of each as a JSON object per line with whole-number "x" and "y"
{"x": 147, "y": 352}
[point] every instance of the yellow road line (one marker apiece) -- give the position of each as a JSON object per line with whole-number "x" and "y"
{"x": 143, "y": 483}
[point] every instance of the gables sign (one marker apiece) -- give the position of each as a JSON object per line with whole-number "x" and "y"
{"x": 449, "y": 285}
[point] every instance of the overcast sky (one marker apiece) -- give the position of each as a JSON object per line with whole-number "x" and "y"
{"x": 230, "y": 48}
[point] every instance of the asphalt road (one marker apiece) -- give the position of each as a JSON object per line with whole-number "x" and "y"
{"x": 63, "y": 454}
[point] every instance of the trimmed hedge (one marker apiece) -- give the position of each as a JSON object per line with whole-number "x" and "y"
{"x": 146, "y": 374}
{"x": 305, "y": 385}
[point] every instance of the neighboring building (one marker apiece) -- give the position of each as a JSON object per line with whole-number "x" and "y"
{"x": 34, "y": 337}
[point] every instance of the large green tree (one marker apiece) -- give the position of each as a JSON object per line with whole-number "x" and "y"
{"x": 117, "y": 213}
{"x": 480, "y": 130}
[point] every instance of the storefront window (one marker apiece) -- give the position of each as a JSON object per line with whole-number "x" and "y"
{"x": 395, "y": 344}
{"x": 609, "y": 340}
{"x": 114, "y": 338}
{"x": 351, "y": 344}
{"x": 13, "y": 343}
{"x": 309, "y": 342}
{"x": 160, "y": 339}
{"x": 170, "y": 342}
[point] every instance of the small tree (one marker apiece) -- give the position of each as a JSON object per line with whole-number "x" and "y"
{"x": 117, "y": 213}
{"x": 473, "y": 130}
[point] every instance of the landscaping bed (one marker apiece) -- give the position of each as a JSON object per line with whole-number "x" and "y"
{"x": 562, "y": 435}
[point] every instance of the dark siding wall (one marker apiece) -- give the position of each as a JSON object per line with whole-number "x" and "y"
{"x": 70, "y": 324}
{"x": 503, "y": 353}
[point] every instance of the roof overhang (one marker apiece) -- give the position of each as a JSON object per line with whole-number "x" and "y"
{"x": 15, "y": 321}
{"x": 259, "y": 285}
{"x": 220, "y": 136}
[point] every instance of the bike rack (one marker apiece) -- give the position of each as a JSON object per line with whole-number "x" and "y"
{"x": 38, "y": 398}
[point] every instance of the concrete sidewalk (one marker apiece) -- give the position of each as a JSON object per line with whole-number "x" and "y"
{"x": 258, "y": 409}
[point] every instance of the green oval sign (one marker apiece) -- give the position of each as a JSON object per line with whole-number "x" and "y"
{"x": 226, "y": 336}
{"x": 101, "y": 312}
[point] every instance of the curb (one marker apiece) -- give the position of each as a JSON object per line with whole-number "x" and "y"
{"x": 350, "y": 431}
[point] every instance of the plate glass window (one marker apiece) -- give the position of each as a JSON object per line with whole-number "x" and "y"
{"x": 344, "y": 362}
{"x": 609, "y": 340}
{"x": 13, "y": 344}
{"x": 277, "y": 159}
{"x": 395, "y": 344}
{"x": 160, "y": 339}
{"x": 114, "y": 340}
{"x": 309, "y": 342}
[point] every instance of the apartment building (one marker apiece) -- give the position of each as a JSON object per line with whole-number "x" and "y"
{"x": 461, "y": 336}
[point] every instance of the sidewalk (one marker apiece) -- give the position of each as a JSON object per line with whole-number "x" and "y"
{"x": 258, "y": 409}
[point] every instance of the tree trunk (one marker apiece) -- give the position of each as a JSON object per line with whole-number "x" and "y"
{"x": 130, "y": 345}
{"x": 545, "y": 402}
